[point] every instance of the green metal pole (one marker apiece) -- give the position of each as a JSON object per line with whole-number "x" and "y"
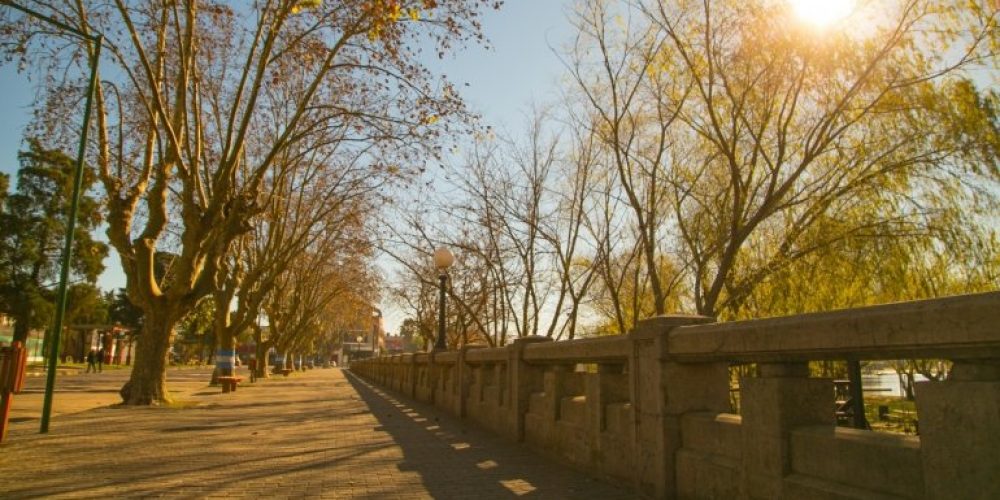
{"x": 50, "y": 379}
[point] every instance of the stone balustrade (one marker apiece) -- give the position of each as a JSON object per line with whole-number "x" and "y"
{"x": 652, "y": 407}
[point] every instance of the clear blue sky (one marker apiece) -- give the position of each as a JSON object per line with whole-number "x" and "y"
{"x": 519, "y": 69}
{"x": 17, "y": 92}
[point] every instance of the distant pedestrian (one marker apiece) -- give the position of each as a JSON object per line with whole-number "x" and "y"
{"x": 252, "y": 366}
{"x": 100, "y": 360}
{"x": 91, "y": 360}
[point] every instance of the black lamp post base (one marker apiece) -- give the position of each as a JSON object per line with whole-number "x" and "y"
{"x": 439, "y": 344}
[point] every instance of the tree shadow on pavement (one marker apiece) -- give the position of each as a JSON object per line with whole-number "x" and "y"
{"x": 205, "y": 452}
{"x": 456, "y": 460}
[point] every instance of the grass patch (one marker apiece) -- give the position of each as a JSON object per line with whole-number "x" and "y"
{"x": 80, "y": 366}
{"x": 901, "y": 417}
{"x": 181, "y": 404}
{"x": 177, "y": 404}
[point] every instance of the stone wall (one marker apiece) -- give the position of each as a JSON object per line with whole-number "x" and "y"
{"x": 651, "y": 408}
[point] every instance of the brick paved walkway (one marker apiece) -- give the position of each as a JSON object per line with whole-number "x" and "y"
{"x": 322, "y": 433}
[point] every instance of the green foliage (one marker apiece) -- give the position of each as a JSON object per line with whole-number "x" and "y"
{"x": 198, "y": 322}
{"x": 196, "y": 334}
{"x": 32, "y": 234}
{"x": 957, "y": 256}
{"x": 902, "y": 416}
{"x": 418, "y": 333}
{"x": 86, "y": 305}
{"x": 122, "y": 311}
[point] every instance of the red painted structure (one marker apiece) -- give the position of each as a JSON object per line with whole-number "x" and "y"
{"x": 13, "y": 360}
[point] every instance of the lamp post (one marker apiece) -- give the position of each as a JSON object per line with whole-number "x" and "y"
{"x": 443, "y": 259}
{"x": 376, "y": 316}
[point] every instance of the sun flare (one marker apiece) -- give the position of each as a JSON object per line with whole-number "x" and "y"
{"x": 822, "y": 12}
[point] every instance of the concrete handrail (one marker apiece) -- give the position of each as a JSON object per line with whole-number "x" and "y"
{"x": 494, "y": 355}
{"x": 656, "y": 409}
{"x": 587, "y": 350}
{"x": 952, "y": 328}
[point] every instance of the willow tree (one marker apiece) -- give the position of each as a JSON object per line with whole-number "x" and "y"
{"x": 770, "y": 140}
{"x": 199, "y": 99}
{"x": 790, "y": 130}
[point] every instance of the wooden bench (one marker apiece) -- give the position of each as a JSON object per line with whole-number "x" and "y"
{"x": 229, "y": 383}
{"x": 285, "y": 371}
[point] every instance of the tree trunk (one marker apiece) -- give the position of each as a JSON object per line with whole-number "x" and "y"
{"x": 207, "y": 351}
{"x": 148, "y": 383}
{"x": 22, "y": 327}
{"x": 225, "y": 358}
{"x": 225, "y": 338}
{"x": 262, "y": 349}
{"x": 908, "y": 388}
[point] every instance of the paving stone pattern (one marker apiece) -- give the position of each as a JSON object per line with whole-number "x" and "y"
{"x": 323, "y": 433}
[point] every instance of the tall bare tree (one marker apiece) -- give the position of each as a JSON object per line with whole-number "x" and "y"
{"x": 308, "y": 293}
{"x": 317, "y": 198}
{"x": 631, "y": 109}
{"x": 199, "y": 101}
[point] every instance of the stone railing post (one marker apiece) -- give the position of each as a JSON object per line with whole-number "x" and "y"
{"x": 424, "y": 385}
{"x": 410, "y": 389}
{"x": 782, "y": 398}
{"x": 443, "y": 393}
{"x": 523, "y": 379}
{"x": 433, "y": 378}
{"x": 464, "y": 375}
{"x": 395, "y": 374}
{"x": 600, "y": 389}
{"x": 960, "y": 431}
{"x": 608, "y": 385}
{"x": 554, "y": 381}
{"x": 478, "y": 380}
{"x": 391, "y": 376}
{"x": 661, "y": 391}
